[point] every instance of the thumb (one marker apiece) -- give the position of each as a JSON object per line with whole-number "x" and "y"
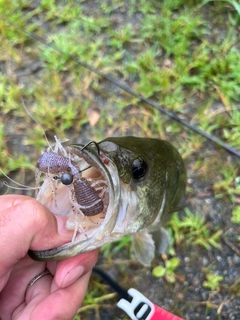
{"x": 26, "y": 224}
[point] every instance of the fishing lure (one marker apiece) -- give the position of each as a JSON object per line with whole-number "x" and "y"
{"x": 68, "y": 166}
{"x": 65, "y": 170}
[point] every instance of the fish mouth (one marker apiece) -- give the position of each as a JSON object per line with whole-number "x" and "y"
{"x": 90, "y": 203}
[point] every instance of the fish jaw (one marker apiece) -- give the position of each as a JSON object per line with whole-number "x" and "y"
{"x": 59, "y": 203}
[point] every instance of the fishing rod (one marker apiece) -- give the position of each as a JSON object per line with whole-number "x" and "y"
{"x": 128, "y": 89}
{"x": 134, "y": 304}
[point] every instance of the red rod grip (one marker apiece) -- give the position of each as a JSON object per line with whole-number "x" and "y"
{"x": 140, "y": 308}
{"x": 161, "y": 314}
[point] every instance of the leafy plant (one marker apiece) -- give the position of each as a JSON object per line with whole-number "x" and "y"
{"x": 167, "y": 271}
{"x": 213, "y": 282}
{"x": 194, "y": 230}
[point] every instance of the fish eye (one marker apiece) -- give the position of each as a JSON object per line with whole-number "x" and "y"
{"x": 55, "y": 178}
{"x": 66, "y": 178}
{"x": 139, "y": 168}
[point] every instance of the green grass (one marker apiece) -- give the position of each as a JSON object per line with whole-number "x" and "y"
{"x": 192, "y": 229}
{"x": 183, "y": 54}
{"x": 236, "y": 215}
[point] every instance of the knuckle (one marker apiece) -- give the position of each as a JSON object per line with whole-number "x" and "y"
{"x": 35, "y": 212}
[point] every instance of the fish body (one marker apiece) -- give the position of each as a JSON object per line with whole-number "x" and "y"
{"x": 140, "y": 182}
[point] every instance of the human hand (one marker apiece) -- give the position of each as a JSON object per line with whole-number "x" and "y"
{"x": 25, "y": 224}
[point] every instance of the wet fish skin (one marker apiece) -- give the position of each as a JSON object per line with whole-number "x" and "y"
{"x": 150, "y": 180}
{"x": 165, "y": 173}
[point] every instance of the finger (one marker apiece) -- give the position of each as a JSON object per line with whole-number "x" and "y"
{"x": 71, "y": 269}
{"x": 34, "y": 295}
{"x": 61, "y": 304}
{"x": 10, "y": 200}
{"x": 27, "y": 224}
{"x": 13, "y": 293}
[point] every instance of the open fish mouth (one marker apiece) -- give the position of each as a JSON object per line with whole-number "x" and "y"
{"x": 119, "y": 186}
{"x": 81, "y": 183}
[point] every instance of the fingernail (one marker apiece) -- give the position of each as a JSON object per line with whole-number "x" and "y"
{"x": 72, "y": 276}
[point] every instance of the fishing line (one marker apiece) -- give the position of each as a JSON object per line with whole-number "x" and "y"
{"x": 127, "y": 89}
{"x": 115, "y": 286}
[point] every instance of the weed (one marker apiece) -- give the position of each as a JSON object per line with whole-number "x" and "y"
{"x": 167, "y": 271}
{"x": 10, "y": 95}
{"x": 236, "y": 215}
{"x": 231, "y": 132}
{"x": 213, "y": 282}
{"x": 194, "y": 230}
{"x": 112, "y": 248}
{"x": 95, "y": 297}
{"x": 235, "y": 4}
{"x": 235, "y": 287}
{"x": 121, "y": 37}
{"x": 228, "y": 184}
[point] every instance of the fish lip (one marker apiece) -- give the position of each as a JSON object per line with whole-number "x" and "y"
{"x": 110, "y": 173}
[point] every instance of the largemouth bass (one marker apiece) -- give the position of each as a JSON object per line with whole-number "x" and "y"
{"x": 109, "y": 189}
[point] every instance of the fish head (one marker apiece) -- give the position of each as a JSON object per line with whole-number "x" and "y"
{"x": 139, "y": 180}
{"x": 153, "y": 171}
